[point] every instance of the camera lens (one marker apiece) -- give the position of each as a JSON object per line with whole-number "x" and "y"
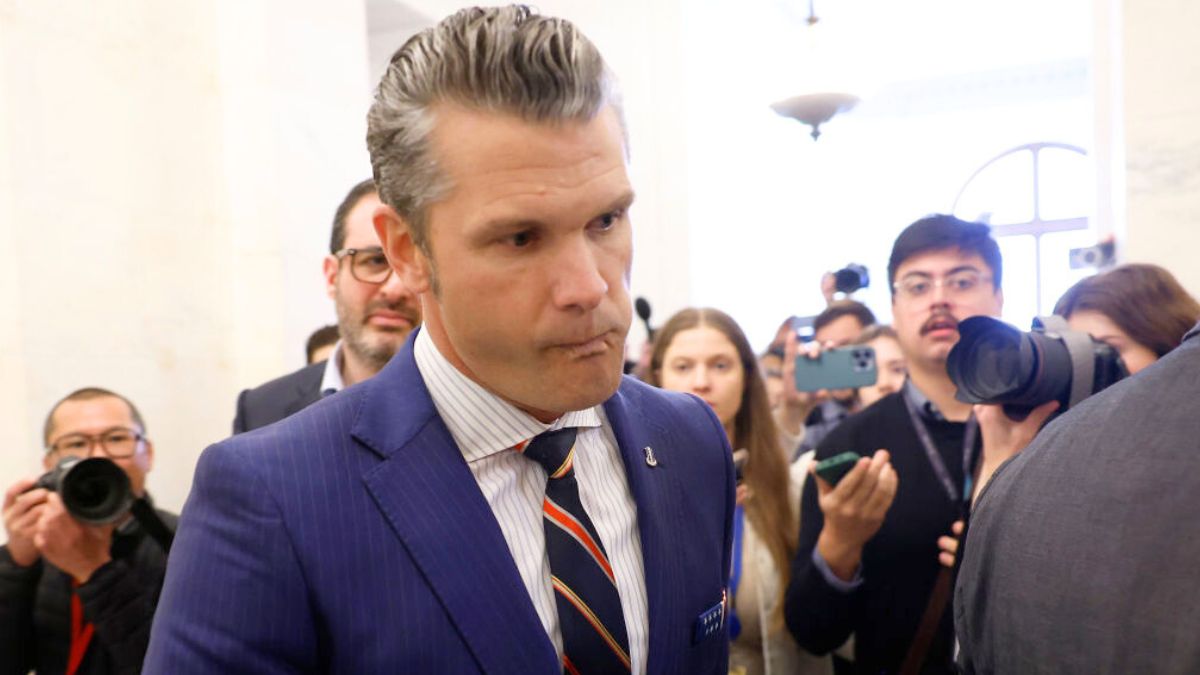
{"x": 95, "y": 491}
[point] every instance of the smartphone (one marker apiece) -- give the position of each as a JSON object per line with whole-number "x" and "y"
{"x": 739, "y": 462}
{"x": 835, "y": 468}
{"x": 839, "y": 368}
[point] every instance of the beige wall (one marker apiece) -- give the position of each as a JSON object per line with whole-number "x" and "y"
{"x": 167, "y": 178}
{"x": 1148, "y": 122}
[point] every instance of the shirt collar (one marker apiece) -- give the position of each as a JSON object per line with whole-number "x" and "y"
{"x": 922, "y": 403}
{"x": 481, "y": 422}
{"x": 331, "y": 381}
{"x": 1194, "y": 331}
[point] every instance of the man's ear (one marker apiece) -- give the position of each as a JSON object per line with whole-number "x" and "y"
{"x": 330, "y": 268}
{"x": 999, "y": 301}
{"x": 145, "y": 459}
{"x": 406, "y": 258}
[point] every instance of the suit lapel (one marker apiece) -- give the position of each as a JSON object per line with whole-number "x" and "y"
{"x": 655, "y": 491}
{"x": 432, "y": 502}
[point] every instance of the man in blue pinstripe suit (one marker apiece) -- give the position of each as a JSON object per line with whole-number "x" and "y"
{"x": 398, "y": 526}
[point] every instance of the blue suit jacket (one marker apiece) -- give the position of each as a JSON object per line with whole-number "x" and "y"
{"x": 352, "y": 538}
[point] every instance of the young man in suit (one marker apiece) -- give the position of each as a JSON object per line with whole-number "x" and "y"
{"x": 498, "y": 498}
{"x": 375, "y": 310}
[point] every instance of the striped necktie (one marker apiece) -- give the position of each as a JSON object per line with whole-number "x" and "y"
{"x": 585, "y": 591}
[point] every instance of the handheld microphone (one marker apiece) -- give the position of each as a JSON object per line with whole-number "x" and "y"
{"x": 643, "y": 311}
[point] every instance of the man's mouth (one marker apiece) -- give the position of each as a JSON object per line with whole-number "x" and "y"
{"x": 387, "y": 318}
{"x": 593, "y": 346}
{"x": 940, "y": 325}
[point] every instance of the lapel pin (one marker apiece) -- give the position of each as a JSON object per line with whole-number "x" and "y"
{"x": 651, "y": 460}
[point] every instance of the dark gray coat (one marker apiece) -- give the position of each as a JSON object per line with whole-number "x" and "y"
{"x": 1083, "y": 554}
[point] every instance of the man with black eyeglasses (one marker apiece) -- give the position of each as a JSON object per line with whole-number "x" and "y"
{"x": 78, "y": 598}
{"x": 375, "y": 311}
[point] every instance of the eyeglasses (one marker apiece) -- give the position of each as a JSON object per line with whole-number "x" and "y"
{"x": 960, "y": 283}
{"x": 368, "y": 265}
{"x": 117, "y": 443}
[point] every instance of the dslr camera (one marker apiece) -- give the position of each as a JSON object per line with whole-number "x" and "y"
{"x": 994, "y": 363}
{"x": 851, "y": 278}
{"x": 94, "y": 490}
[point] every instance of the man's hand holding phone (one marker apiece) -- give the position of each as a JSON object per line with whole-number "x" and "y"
{"x": 796, "y": 405}
{"x": 854, "y": 510}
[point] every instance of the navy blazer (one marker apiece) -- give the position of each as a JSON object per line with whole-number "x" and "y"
{"x": 353, "y": 538}
{"x": 270, "y": 402}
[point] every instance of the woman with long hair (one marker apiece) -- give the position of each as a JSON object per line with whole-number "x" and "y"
{"x": 704, "y": 352}
{"x": 1139, "y": 310}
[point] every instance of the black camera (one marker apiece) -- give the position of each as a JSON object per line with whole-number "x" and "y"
{"x": 996, "y": 363}
{"x": 851, "y": 278}
{"x": 95, "y": 490}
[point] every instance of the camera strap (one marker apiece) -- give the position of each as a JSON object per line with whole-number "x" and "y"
{"x": 148, "y": 518}
{"x": 957, "y": 497}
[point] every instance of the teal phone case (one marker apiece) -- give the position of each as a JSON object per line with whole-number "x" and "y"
{"x": 840, "y": 368}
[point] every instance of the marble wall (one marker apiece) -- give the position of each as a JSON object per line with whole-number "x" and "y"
{"x": 168, "y": 175}
{"x": 1162, "y": 135}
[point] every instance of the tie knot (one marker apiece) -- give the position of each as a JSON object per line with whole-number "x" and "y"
{"x": 554, "y": 450}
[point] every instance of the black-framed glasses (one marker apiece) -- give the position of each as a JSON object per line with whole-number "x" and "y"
{"x": 117, "y": 443}
{"x": 369, "y": 265}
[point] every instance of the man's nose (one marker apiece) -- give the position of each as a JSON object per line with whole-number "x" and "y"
{"x": 577, "y": 278}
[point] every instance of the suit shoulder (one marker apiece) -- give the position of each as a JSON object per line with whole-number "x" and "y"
{"x": 300, "y": 379}
{"x": 660, "y": 402}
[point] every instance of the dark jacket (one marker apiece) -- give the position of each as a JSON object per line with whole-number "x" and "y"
{"x": 119, "y": 599}
{"x": 268, "y": 403}
{"x": 1082, "y": 551}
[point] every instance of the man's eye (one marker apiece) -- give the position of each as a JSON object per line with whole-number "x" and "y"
{"x": 72, "y": 445}
{"x": 962, "y": 283}
{"x": 521, "y": 239}
{"x": 376, "y": 260}
{"x": 918, "y": 287}
{"x": 118, "y": 437}
{"x": 608, "y": 220}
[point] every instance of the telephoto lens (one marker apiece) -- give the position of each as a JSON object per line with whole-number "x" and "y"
{"x": 994, "y": 363}
{"x": 94, "y": 490}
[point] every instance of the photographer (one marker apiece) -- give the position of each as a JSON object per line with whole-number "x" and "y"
{"x": 74, "y": 597}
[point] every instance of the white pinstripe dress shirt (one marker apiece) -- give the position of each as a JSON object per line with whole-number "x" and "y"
{"x": 486, "y": 428}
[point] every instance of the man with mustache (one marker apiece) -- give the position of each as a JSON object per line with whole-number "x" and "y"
{"x": 868, "y": 557}
{"x": 499, "y": 498}
{"x": 375, "y": 311}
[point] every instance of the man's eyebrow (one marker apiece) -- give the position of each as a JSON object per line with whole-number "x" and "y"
{"x": 956, "y": 270}
{"x": 505, "y": 223}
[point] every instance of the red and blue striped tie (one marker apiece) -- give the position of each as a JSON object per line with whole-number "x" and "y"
{"x": 585, "y": 590}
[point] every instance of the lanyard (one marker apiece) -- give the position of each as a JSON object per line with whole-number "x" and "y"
{"x": 935, "y": 457}
{"x": 739, "y": 524}
{"x": 81, "y": 633}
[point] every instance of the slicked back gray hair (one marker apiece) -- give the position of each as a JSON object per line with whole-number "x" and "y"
{"x": 503, "y": 59}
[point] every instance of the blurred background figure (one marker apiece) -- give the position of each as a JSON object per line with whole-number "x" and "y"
{"x": 375, "y": 311}
{"x": 704, "y": 352}
{"x": 1139, "y": 310}
{"x": 889, "y": 363}
{"x": 321, "y": 343}
{"x": 79, "y": 597}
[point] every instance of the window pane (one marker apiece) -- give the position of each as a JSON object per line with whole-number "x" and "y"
{"x": 1066, "y": 184}
{"x": 1020, "y": 280}
{"x": 1002, "y": 193}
